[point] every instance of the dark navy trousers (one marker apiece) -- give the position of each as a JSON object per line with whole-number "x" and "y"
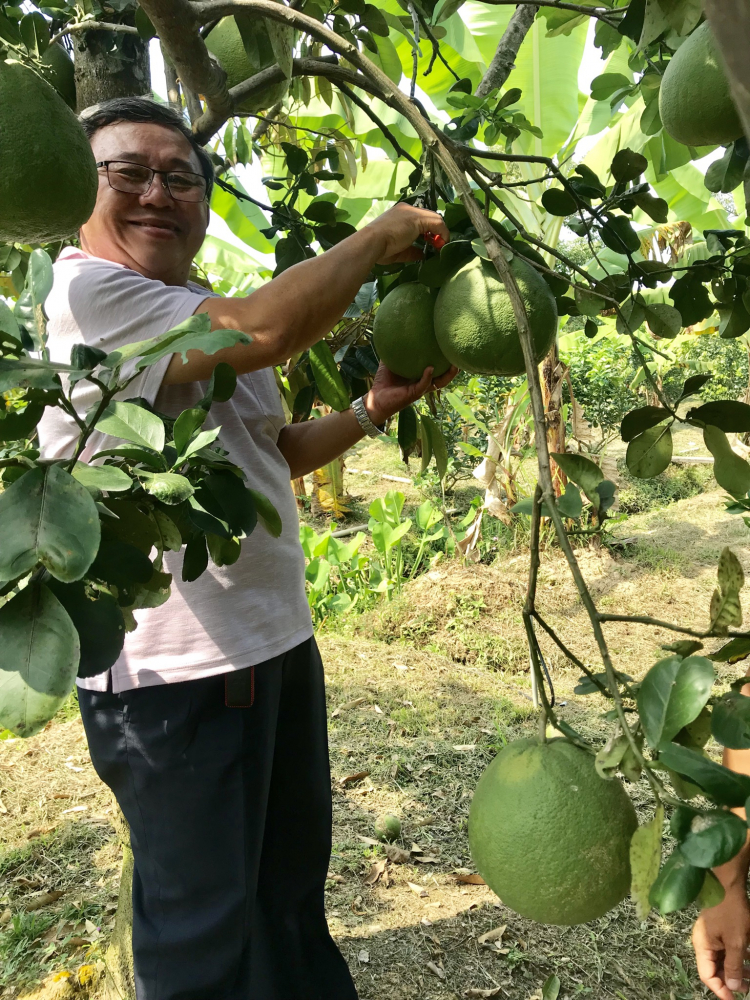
{"x": 230, "y": 822}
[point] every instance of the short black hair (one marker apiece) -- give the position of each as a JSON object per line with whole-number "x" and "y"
{"x": 143, "y": 109}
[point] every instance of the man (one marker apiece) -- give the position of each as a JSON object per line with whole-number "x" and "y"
{"x": 722, "y": 933}
{"x": 210, "y": 728}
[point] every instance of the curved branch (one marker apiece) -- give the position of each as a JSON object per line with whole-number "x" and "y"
{"x": 363, "y": 106}
{"x": 69, "y": 29}
{"x": 600, "y": 14}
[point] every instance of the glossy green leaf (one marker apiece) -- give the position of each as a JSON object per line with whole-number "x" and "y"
{"x": 559, "y": 201}
{"x": 29, "y": 310}
{"x": 328, "y": 379}
{"x": 663, "y": 320}
{"x": 583, "y": 472}
{"x": 437, "y": 444}
{"x": 407, "y": 431}
{"x": 731, "y": 471}
{"x": 628, "y": 165}
{"x": 728, "y": 415}
{"x": 645, "y": 861}
{"x": 267, "y": 514}
{"x": 47, "y": 517}
{"x": 223, "y": 551}
{"x": 714, "y": 838}
{"x": 107, "y": 478}
{"x": 732, "y": 651}
{"x": 672, "y": 694}
{"x": 638, "y": 421}
{"x": 194, "y": 334}
{"x": 725, "y": 787}
{"x": 99, "y": 622}
{"x": 132, "y": 423}
{"x": 570, "y": 503}
{"x": 619, "y": 235}
{"x": 236, "y": 502}
{"x": 195, "y": 560}
{"x": 551, "y": 988}
{"x": 169, "y": 487}
{"x": 199, "y": 442}
{"x": 677, "y": 885}
{"x": 170, "y": 536}
{"x": 650, "y": 453}
{"x": 39, "y": 658}
{"x": 186, "y": 425}
{"x": 16, "y": 424}
{"x": 711, "y": 894}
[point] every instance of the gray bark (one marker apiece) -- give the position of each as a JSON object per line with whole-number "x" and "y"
{"x": 109, "y": 64}
{"x": 730, "y": 24}
{"x": 504, "y": 58}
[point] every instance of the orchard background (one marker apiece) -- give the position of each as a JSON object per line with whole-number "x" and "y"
{"x": 458, "y": 595}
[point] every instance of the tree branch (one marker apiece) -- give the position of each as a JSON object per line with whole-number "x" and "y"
{"x": 69, "y": 29}
{"x": 504, "y": 58}
{"x": 378, "y": 121}
{"x": 600, "y": 14}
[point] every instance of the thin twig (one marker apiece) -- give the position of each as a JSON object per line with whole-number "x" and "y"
{"x": 69, "y": 29}
{"x": 415, "y": 51}
{"x": 363, "y": 106}
{"x": 588, "y": 11}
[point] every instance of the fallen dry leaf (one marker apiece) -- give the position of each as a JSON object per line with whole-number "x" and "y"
{"x": 436, "y": 970}
{"x": 377, "y": 709}
{"x": 363, "y": 956}
{"x": 418, "y": 889}
{"x": 43, "y": 899}
{"x": 5, "y": 917}
{"x": 61, "y": 795}
{"x": 496, "y": 934}
{"x": 3, "y": 808}
{"x": 397, "y": 854}
{"x": 465, "y": 746}
{"x": 426, "y": 859}
{"x": 376, "y": 870}
{"x": 350, "y": 779}
{"x": 370, "y": 841}
{"x": 347, "y": 706}
{"x": 74, "y": 809}
{"x": 496, "y": 992}
{"x": 27, "y": 883}
{"x": 330, "y": 876}
{"x": 474, "y": 879}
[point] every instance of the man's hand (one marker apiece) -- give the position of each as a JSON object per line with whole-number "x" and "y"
{"x": 400, "y": 226}
{"x": 391, "y": 393}
{"x": 720, "y": 937}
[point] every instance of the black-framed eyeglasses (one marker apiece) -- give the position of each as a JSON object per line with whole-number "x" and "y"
{"x": 135, "y": 178}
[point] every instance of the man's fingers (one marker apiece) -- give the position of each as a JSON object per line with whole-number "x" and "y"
{"x": 442, "y": 380}
{"x": 734, "y": 962}
{"x": 418, "y": 389}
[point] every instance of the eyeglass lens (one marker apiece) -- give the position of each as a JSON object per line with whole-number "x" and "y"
{"x": 133, "y": 178}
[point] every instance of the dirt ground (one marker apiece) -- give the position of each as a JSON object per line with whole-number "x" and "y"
{"x": 422, "y": 692}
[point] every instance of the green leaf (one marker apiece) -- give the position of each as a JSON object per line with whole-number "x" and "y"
{"x": 267, "y": 513}
{"x": 39, "y": 660}
{"x": 627, "y": 165}
{"x": 650, "y": 122}
{"x": 732, "y": 651}
{"x": 605, "y": 85}
{"x": 711, "y": 894}
{"x": 570, "y": 503}
{"x": 726, "y": 173}
{"x": 719, "y": 783}
{"x": 583, "y": 472}
{"x": 169, "y": 487}
{"x": 618, "y": 234}
{"x": 726, "y": 414}
{"x": 28, "y": 373}
{"x": 551, "y": 988}
{"x": 672, "y": 694}
{"x": 677, "y": 885}
{"x": 185, "y": 426}
{"x": 29, "y": 310}
{"x": 222, "y": 384}
{"x": 132, "y": 423}
{"x": 558, "y": 201}
{"x": 714, "y": 838}
{"x": 731, "y": 472}
{"x": 407, "y": 431}
{"x": 195, "y": 560}
{"x": 99, "y": 623}
{"x": 47, "y": 517}
{"x": 199, "y": 442}
{"x": 16, "y": 424}
{"x": 223, "y": 551}
{"x": 425, "y": 438}
{"x": 235, "y": 500}
{"x": 171, "y": 538}
{"x": 694, "y": 384}
{"x": 373, "y": 19}
{"x": 107, "y": 478}
{"x": 645, "y": 860}
{"x": 328, "y": 379}
{"x": 296, "y": 157}
{"x": 437, "y": 445}
{"x": 663, "y": 320}
{"x": 194, "y": 333}
{"x": 650, "y": 453}
{"x": 726, "y": 608}
{"x": 146, "y": 30}
{"x": 638, "y": 421}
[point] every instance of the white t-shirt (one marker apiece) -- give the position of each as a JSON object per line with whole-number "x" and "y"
{"x": 230, "y": 617}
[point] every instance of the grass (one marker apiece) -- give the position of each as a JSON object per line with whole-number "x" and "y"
{"x": 443, "y": 674}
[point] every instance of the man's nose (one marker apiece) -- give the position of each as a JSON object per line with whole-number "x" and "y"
{"x": 158, "y": 194}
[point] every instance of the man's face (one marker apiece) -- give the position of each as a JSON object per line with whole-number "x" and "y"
{"x": 152, "y": 233}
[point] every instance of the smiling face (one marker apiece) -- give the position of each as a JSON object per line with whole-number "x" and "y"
{"x": 150, "y": 233}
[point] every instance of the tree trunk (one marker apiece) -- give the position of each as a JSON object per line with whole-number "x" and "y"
{"x": 109, "y": 64}
{"x": 119, "y": 982}
{"x": 553, "y": 374}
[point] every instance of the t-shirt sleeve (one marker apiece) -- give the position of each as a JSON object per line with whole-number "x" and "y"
{"x": 108, "y": 306}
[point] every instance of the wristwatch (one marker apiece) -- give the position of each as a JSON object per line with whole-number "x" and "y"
{"x": 371, "y": 429}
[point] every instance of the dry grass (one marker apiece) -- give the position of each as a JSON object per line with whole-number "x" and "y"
{"x": 442, "y": 674}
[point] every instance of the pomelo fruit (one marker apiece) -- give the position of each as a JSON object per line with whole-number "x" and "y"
{"x": 695, "y": 104}
{"x": 48, "y": 178}
{"x": 404, "y": 332}
{"x": 549, "y": 836}
{"x": 388, "y": 827}
{"x": 225, "y": 42}
{"x": 474, "y": 321}
{"x": 62, "y": 73}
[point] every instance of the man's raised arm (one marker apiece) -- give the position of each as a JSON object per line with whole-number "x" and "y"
{"x": 299, "y": 307}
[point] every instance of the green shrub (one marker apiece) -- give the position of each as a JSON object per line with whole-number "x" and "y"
{"x": 678, "y": 482}
{"x": 726, "y": 359}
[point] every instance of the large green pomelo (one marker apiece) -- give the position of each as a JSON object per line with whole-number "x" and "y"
{"x": 404, "y": 332}
{"x": 549, "y": 836}
{"x": 48, "y": 178}
{"x": 474, "y": 321}
{"x": 225, "y": 41}
{"x": 694, "y": 101}
{"x": 62, "y": 73}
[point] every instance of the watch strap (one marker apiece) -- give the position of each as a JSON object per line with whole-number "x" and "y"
{"x": 363, "y": 419}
